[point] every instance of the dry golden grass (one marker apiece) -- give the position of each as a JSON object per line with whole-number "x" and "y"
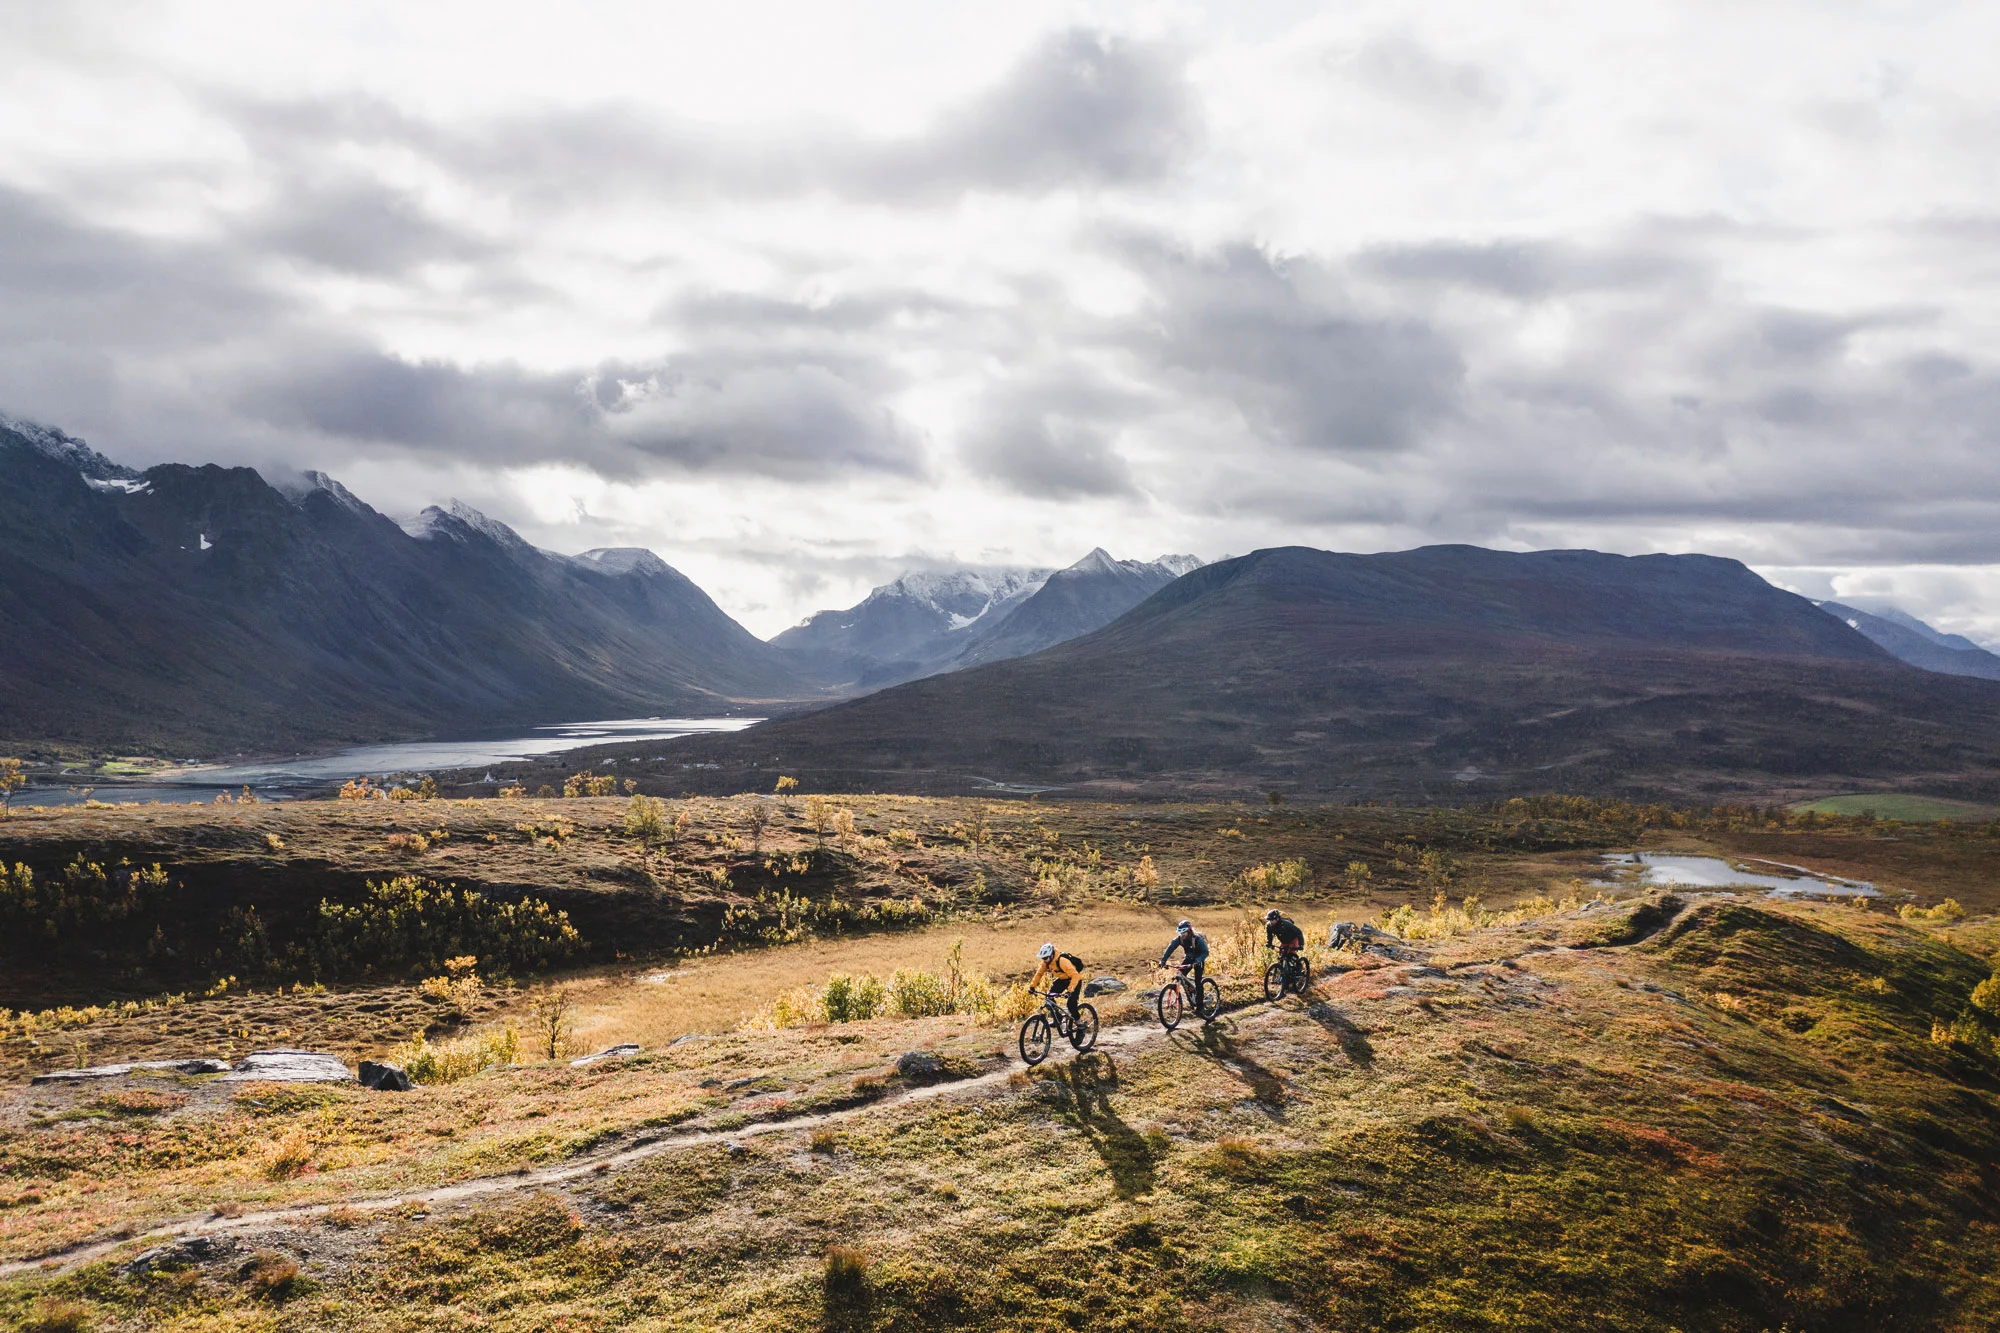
{"x": 718, "y": 993}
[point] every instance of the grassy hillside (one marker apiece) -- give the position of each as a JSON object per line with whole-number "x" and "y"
{"x": 1628, "y": 1112}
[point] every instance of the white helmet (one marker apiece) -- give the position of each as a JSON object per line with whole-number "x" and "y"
{"x": 1047, "y": 952}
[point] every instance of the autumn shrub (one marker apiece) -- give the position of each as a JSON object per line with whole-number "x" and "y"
{"x": 1271, "y": 878}
{"x": 1948, "y": 910}
{"x": 270, "y": 1275}
{"x": 646, "y": 819}
{"x": 409, "y": 923}
{"x": 288, "y": 1156}
{"x": 905, "y": 993}
{"x": 459, "y": 1057}
{"x": 845, "y": 1278}
{"x": 54, "y": 1314}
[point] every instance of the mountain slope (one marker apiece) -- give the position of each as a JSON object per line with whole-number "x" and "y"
{"x": 202, "y": 610}
{"x": 1088, "y": 595}
{"x": 907, "y": 628}
{"x": 1446, "y": 671}
{"x": 1911, "y": 640}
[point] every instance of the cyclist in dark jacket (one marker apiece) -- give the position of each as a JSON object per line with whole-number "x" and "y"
{"x": 1194, "y": 949}
{"x": 1282, "y": 931}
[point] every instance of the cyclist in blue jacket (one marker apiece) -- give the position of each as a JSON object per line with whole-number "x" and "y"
{"x": 1194, "y": 949}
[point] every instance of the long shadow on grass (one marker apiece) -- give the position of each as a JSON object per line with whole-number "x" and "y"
{"x": 1354, "y": 1043}
{"x": 1087, "y": 1083}
{"x": 1211, "y": 1041}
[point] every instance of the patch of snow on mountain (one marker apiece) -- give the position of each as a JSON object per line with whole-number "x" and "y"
{"x": 206, "y": 544}
{"x": 122, "y": 485}
{"x": 1178, "y": 565}
{"x": 962, "y": 596}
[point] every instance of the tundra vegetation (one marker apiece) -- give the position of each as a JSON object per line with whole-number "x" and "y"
{"x": 1548, "y": 1097}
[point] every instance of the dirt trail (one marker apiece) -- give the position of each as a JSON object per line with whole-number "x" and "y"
{"x": 1118, "y": 1038}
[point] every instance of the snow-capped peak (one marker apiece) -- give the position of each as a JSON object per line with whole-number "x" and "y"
{"x": 312, "y": 483}
{"x": 1099, "y": 561}
{"x": 1178, "y": 565}
{"x": 66, "y": 448}
{"x": 622, "y": 560}
{"x": 455, "y": 519}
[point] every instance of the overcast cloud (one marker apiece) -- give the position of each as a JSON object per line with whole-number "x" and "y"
{"x": 800, "y": 296}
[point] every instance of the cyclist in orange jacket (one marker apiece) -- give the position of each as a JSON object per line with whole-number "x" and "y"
{"x": 1064, "y": 974}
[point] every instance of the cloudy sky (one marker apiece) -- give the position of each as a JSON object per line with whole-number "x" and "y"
{"x": 801, "y": 295}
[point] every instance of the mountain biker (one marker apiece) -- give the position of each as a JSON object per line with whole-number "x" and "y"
{"x": 1064, "y": 973}
{"x": 1282, "y": 931}
{"x": 1194, "y": 951}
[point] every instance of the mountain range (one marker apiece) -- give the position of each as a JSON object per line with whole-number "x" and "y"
{"x": 201, "y": 610}
{"x": 1910, "y": 639}
{"x": 1447, "y": 672}
{"x": 924, "y": 623}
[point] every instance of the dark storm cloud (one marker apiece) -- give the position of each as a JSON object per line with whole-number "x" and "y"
{"x": 1081, "y": 108}
{"x": 777, "y": 418}
{"x": 169, "y": 347}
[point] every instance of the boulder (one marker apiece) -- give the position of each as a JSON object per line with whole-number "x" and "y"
{"x": 176, "y": 1254}
{"x": 384, "y": 1078}
{"x": 920, "y": 1066}
{"x": 1104, "y": 986}
{"x": 622, "y": 1051}
{"x": 1355, "y": 932}
{"x": 289, "y": 1067}
{"x": 201, "y": 1065}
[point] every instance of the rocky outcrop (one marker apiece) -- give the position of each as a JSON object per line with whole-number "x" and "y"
{"x": 289, "y": 1067}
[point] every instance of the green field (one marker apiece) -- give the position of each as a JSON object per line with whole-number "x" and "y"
{"x": 1899, "y": 805}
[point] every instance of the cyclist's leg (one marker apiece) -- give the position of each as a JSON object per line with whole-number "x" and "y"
{"x": 1196, "y": 975}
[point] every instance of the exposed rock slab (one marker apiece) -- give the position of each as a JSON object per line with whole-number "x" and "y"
{"x": 202, "y": 1065}
{"x": 623, "y": 1051}
{"x": 289, "y": 1067}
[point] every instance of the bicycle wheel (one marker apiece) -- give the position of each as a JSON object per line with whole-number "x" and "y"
{"x": 1035, "y": 1039}
{"x": 1274, "y": 981}
{"x": 1083, "y": 1032}
{"x": 1211, "y": 1000}
{"x": 1302, "y": 975}
{"x": 1169, "y": 1006}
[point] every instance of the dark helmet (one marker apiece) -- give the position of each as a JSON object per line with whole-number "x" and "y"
{"x": 1185, "y": 927}
{"x": 1273, "y": 915}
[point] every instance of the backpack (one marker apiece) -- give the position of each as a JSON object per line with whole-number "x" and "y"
{"x": 1072, "y": 960}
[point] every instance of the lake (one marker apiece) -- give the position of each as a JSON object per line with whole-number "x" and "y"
{"x": 1709, "y": 872}
{"x": 270, "y": 777}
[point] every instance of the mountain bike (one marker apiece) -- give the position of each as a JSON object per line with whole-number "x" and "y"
{"x": 1041, "y": 1029}
{"x": 1291, "y": 973}
{"x": 1179, "y": 996}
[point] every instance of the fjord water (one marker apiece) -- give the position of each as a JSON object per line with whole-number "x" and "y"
{"x": 272, "y": 777}
{"x": 439, "y": 755}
